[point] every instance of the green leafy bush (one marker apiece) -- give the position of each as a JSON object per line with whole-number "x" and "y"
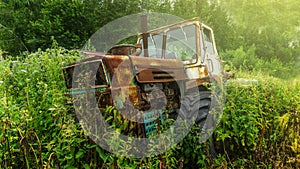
{"x": 261, "y": 122}
{"x": 33, "y": 111}
{"x": 246, "y": 60}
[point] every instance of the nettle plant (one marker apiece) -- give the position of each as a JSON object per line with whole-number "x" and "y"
{"x": 261, "y": 122}
{"x": 32, "y": 107}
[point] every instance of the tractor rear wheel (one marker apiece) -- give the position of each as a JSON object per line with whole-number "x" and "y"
{"x": 199, "y": 103}
{"x": 204, "y": 120}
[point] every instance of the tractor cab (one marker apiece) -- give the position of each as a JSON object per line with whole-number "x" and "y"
{"x": 190, "y": 41}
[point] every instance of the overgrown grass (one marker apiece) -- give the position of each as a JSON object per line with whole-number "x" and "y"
{"x": 259, "y": 129}
{"x": 261, "y": 123}
{"x": 247, "y": 61}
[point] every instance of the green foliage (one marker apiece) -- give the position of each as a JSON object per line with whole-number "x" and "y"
{"x": 273, "y": 26}
{"x": 253, "y": 35}
{"x": 29, "y": 25}
{"x": 260, "y": 125}
{"x": 261, "y": 122}
{"x": 247, "y": 60}
{"x": 211, "y": 13}
{"x": 259, "y": 128}
{"x": 33, "y": 110}
{"x": 67, "y": 22}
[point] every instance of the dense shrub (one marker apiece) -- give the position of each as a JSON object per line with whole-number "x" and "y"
{"x": 33, "y": 111}
{"x": 246, "y": 60}
{"x": 260, "y": 125}
{"x": 261, "y": 122}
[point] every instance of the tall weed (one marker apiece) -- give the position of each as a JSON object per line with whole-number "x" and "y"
{"x": 261, "y": 122}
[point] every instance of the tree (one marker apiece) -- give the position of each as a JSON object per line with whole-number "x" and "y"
{"x": 31, "y": 24}
{"x": 15, "y": 16}
{"x": 269, "y": 24}
{"x": 212, "y": 14}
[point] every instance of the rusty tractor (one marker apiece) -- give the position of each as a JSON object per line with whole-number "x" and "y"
{"x": 167, "y": 74}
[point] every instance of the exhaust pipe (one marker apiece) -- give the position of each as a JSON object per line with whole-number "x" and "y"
{"x": 145, "y": 34}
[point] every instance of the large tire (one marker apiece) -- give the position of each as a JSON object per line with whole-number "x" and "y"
{"x": 197, "y": 104}
{"x": 204, "y": 108}
{"x": 189, "y": 105}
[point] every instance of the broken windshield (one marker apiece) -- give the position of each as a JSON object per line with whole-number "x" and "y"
{"x": 181, "y": 44}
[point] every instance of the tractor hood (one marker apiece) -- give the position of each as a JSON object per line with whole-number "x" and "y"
{"x": 146, "y": 70}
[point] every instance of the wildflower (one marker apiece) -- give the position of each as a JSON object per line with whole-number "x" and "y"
{"x": 24, "y": 71}
{"x": 1, "y": 82}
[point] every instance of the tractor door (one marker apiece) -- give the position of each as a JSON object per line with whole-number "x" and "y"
{"x": 209, "y": 52}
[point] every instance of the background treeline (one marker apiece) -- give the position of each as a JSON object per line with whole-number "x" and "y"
{"x": 264, "y": 31}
